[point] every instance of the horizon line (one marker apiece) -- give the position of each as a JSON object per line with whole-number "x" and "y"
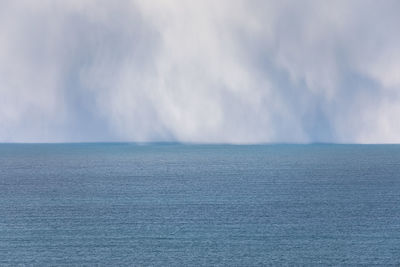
{"x": 190, "y": 143}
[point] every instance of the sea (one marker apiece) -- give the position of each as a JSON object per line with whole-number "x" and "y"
{"x": 167, "y": 204}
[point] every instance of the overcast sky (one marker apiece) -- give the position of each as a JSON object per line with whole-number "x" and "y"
{"x": 209, "y": 71}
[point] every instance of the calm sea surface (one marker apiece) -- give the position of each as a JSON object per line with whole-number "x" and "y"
{"x": 171, "y": 204}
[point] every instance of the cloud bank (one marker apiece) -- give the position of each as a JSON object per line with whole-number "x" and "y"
{"x": 200, "y": 71}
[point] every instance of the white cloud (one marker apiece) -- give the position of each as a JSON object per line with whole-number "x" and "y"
{"x": 207, "y": 71}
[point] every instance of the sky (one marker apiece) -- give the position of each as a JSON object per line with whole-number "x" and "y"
{"x": 226, "y": 71}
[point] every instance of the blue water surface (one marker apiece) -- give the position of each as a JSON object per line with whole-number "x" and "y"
{"x": 199, "y": 205}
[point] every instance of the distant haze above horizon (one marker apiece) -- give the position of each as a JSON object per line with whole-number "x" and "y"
{"x": 234, "y": 71}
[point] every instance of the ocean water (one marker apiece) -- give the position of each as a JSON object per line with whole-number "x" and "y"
{"x": 199, "y": 205}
